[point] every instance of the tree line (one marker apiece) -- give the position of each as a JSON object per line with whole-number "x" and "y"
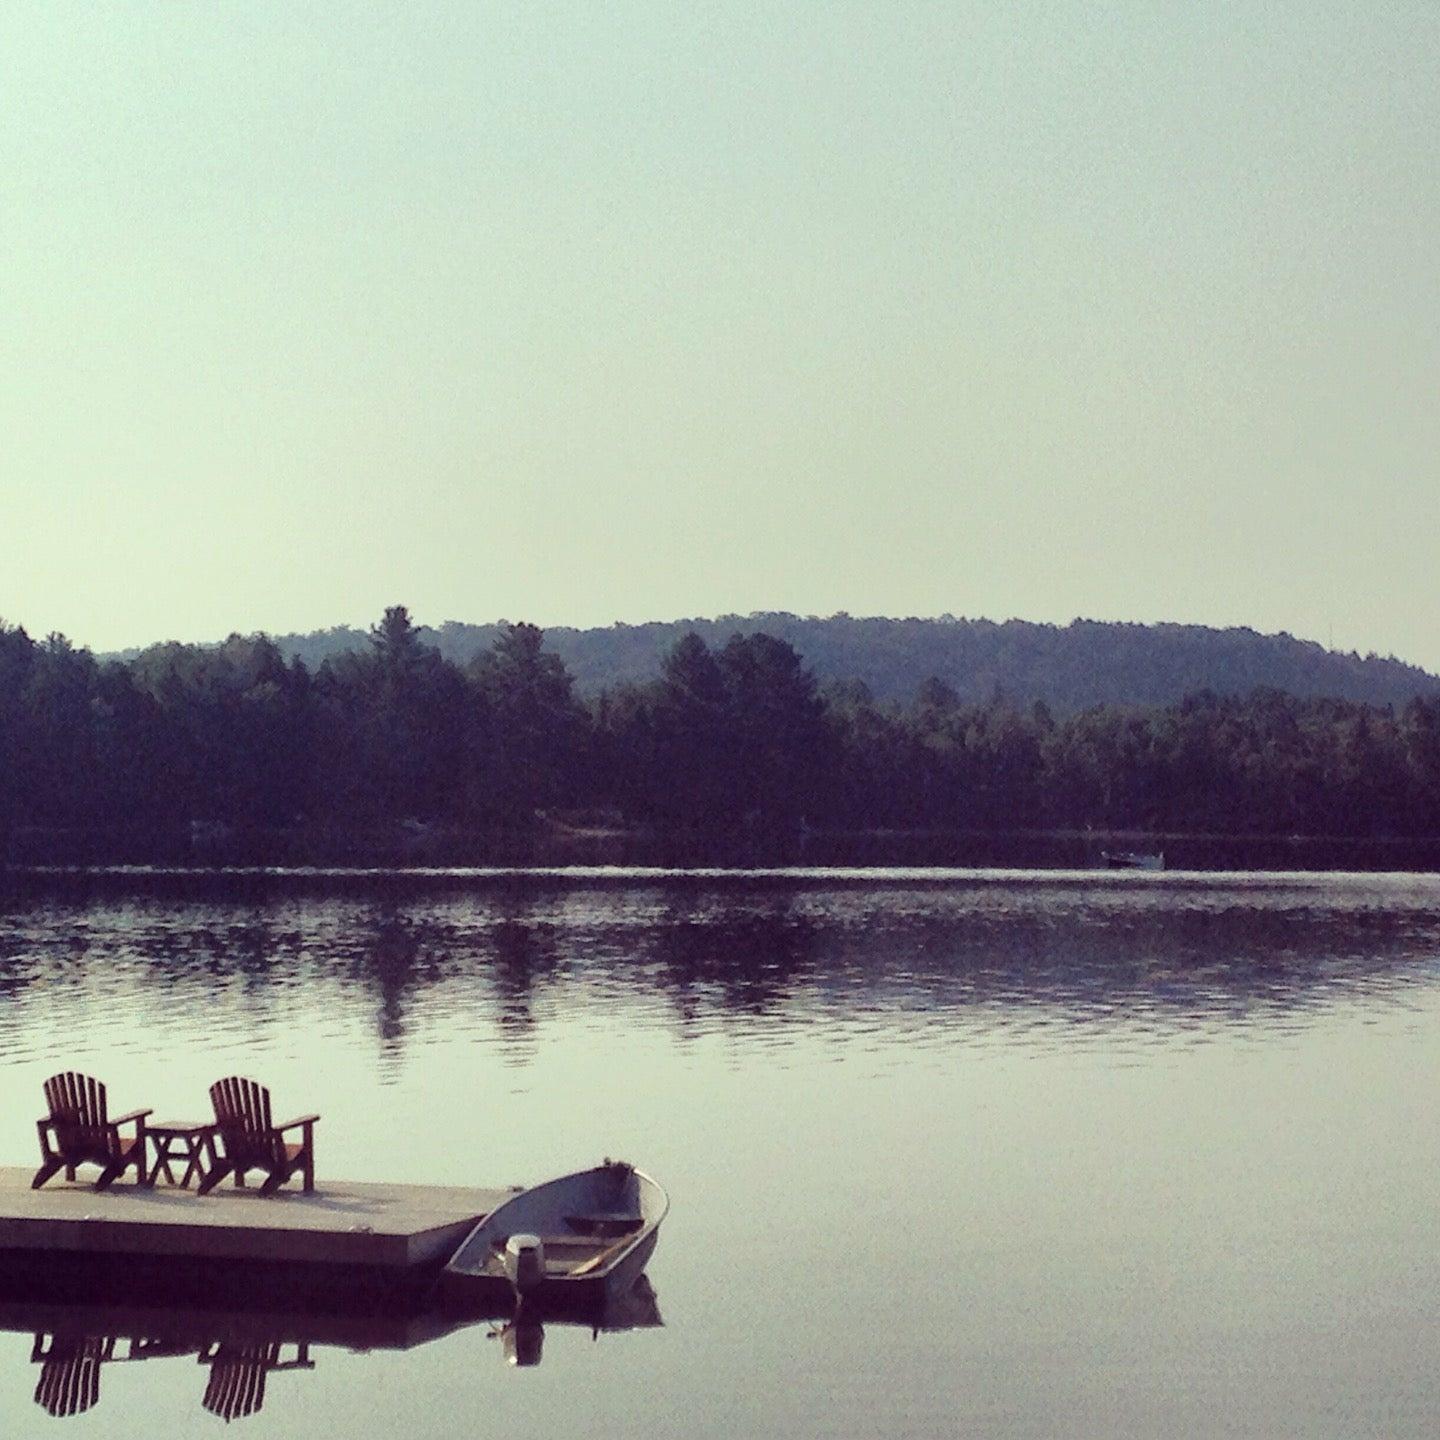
{"x": 1071, "y": 667}
{"x": 727, "y": 737}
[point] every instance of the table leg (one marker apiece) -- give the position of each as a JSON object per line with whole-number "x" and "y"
{"x": 198, "y": 1145}
{"x": 162, "y": 1162}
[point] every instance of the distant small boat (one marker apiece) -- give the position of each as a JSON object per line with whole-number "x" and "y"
{"x": 568, "y": 1241}
{"x": 1133, "y": 859}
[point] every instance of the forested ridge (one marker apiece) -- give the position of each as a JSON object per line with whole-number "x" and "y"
{"x": 1069, "y": 667}
{"x": 727, "y": 736}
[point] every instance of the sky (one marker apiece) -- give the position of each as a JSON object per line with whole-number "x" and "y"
{"x": 580, "y": 313}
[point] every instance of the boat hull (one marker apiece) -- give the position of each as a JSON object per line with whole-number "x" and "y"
{"x": 1133, "y": 860}
{"x": 475, "y": 1272}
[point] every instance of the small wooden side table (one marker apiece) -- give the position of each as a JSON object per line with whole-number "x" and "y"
{"x": 192, "y": 1141}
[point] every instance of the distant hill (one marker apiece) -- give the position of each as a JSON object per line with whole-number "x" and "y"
{"x": 1070, "y": 667}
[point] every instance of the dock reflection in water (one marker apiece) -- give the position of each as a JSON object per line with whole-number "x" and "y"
{"x": 240, "y": 1349}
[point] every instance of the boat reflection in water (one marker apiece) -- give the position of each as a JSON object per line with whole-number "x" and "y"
{"x": 243, "y": 1344}
{"x": 523, "y": 1334}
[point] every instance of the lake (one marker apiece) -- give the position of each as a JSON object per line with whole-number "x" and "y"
{"x": 974, "y": 1152}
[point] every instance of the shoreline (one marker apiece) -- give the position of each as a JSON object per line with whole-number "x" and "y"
{"x": 556, "y": 846}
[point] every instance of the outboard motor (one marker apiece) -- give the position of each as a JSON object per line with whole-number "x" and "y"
{"x": 524, "y": 1262}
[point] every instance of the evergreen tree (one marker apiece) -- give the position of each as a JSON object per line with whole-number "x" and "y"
{"x": 537, "y": 729}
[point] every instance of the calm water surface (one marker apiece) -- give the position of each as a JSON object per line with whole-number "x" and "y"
{"x": 977, "y": 1153}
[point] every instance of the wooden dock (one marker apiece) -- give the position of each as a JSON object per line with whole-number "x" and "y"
{"x": 392, "y": 1229}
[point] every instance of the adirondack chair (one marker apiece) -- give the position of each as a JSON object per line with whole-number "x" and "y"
{"x": 236, "y": 1387}
{"x": 78, "y": 1131}
{"x": 250, "y": 1140}
{"x": 69, "y": 1381}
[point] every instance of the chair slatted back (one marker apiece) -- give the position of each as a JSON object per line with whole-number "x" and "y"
{"x": 242, "y": 1115}
{"x": 80, "y": 1114}
{"x": 236, "y": 1387}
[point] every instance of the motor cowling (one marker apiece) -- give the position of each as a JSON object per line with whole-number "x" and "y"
{"x": 525, "y": 1262}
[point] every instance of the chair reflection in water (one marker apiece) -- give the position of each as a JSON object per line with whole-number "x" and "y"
{"x": 69, "y": 1381}
{"x": 236, "y": 1387}
{"x": 70, "y": 1365}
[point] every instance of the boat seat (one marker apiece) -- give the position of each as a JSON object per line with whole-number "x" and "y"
{"x": 604, "y": 1224}
{"x": 556, "y": 1242}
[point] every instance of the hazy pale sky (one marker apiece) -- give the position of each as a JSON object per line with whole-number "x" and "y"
{"x": 579, "y": 313}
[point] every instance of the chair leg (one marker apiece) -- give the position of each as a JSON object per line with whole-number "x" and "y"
{"x": 107, "y": 1176}
{"x": 210, "y": 1180}
{"x": 45, "y": 1172}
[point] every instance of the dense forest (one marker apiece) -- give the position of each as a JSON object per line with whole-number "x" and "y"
{"x": 1071, "y": 667}
{"x": 726, "y": 737}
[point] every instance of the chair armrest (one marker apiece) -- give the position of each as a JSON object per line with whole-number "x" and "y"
{"x": 294, "y": 1124}
{"x": 133, "y": 1115}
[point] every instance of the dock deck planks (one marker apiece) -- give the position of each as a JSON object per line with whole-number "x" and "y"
{"x": 342, "y": 1222}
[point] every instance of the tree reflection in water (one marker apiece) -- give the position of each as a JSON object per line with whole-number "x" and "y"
{"x": 713, "y": 951}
